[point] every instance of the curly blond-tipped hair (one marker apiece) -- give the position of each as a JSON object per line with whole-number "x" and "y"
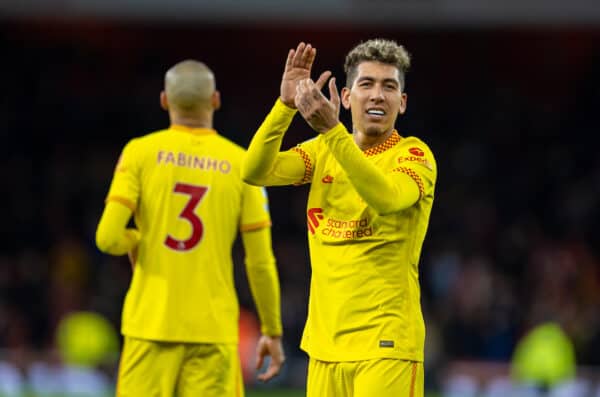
{"x": 378, "y": 50}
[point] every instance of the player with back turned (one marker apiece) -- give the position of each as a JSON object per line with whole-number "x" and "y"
{"x": 370, "y": 198}
{"x": 183, "y": 185}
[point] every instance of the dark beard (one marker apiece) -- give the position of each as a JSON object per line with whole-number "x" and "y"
{"x": 374, "y": 131}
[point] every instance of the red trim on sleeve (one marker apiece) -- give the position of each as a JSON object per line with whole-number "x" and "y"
{"x": 255, "y": 226}
{"x": 308, "y": 168}
{"x": 415, "y": 177}
{"x": 125, "y": 201}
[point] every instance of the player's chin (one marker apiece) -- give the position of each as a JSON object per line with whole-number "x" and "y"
{"x": 374, "y": 130}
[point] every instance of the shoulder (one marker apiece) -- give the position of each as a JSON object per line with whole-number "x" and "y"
{"x": 415, "y": 146}
{"x": 229, "y": 149}
{"x": 137, "y": 148}
{"x": 231, "y": 145}
{"x": 153, "y": 136}
{"x": 414, "y": 150}
{"x": 147, "y": 139}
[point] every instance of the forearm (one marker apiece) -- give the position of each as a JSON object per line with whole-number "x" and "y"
{"x": 262, "y": 163}
{"x": 383, "y": 192}
{"x": 112, "y": 235}
{"x": 263, "y": 279}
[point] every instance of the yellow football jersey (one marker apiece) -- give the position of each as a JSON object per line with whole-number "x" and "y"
{"x": 185, "y": 188}
{"x": 364, "y": 292}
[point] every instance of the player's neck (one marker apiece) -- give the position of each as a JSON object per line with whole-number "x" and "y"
{"x": 365, "y": 141}
{"x": 196, "y": 121}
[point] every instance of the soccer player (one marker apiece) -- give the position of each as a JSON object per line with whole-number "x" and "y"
{"x": 368, "y": 209}
{"x": 184, "y": 187}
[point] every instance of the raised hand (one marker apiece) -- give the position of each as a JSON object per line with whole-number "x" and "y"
{"x": 320, "y": 113}
{"x": 297, "y": 67}
{"x": 269, "y": 346}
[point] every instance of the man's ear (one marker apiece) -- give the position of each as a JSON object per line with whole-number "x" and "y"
{"x": 346, "y": 98}
{"x": 402, "y": 108}
{"x": 215, "y": 100}
{"x": 164, "y": 103}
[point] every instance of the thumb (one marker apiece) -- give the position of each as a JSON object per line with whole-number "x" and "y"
{"x": 322, "y": 79}
{"x": 334, "y": 94}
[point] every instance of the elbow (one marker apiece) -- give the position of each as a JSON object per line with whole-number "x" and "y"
{"x": 104, "y": 242}
{"x": 250, "y": 176}
{"x": 260, "y": 268}
{"x": 251, "y": 180}
{"x": 383, "y": 211}
{"x": 261, "y": 261}
{"x": 246, "y": 174}
{"x": 398, "y": 201}
{"x": 389, "y": 207}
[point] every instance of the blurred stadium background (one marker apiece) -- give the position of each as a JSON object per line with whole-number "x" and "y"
{"x": 506, "y": 93}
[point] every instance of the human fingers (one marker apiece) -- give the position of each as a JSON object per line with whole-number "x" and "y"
{"x": 314, "y": 90}
{"x": 290, "y": 59}
{"x": 308, "y": 56}
{"x": 334, "y": 95}
{"x": 297, "y": 59}
{"x": 277, "y": 360}
{"x": 271, "y": 372}
{"x": 322, "y": 79}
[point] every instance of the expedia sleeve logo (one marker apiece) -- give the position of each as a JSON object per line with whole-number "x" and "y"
{"x": 417, "y": 155}
{"x": 417, "y": 151}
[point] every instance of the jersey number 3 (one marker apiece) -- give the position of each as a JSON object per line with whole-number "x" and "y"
{"x": 196, "y": 193}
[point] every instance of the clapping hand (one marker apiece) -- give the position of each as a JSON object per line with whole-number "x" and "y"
{"x": 321, "y": 113}
{"x": 297, "y": 68}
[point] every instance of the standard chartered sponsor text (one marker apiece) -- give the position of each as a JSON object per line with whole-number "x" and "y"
{"x": 347, "y": 230}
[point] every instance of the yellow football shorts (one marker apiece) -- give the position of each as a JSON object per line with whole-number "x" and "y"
{"x": 167, "y": 369}
{"x": 378, "y": 377}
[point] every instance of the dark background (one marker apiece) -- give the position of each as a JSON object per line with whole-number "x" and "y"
{"x": 510, "y": 112}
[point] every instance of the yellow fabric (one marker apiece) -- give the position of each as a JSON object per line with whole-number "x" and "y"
{"x": 263, "y": 280}
{"x": 190, "y": 202}
{"x": 264, "y": 164}
{"x": 112, "y": 237}
{"x": 159, "y": 369}
{"x": 386, "y": 193}
{"x": 368, "y": 214}
{"x": 378, "y": 377}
